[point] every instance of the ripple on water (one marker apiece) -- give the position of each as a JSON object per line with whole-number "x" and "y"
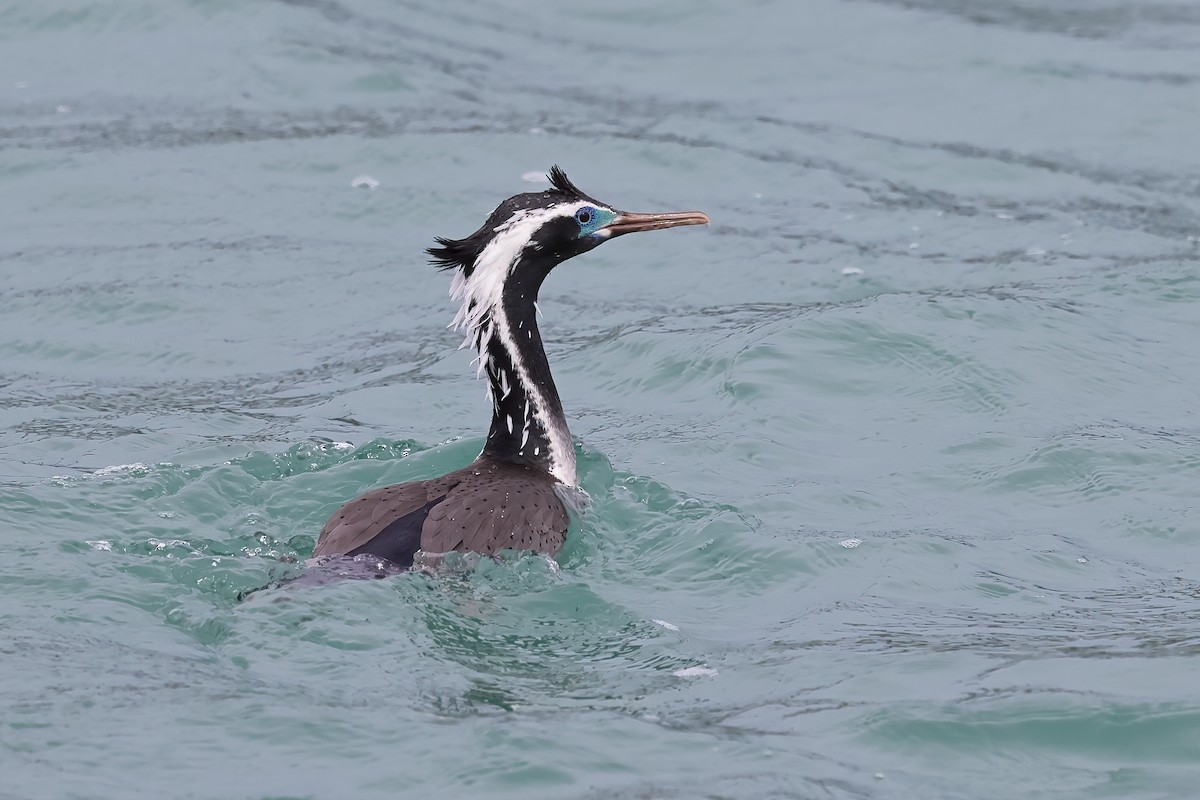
{"x": 183, "y": 543}
{"x": 999, "y": 409}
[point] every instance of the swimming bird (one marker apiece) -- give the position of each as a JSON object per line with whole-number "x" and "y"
{"x": 510, "y": 497}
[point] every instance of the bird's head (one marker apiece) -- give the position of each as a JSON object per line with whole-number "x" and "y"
{"x": 537, "y": 231}
{"x": 528, "y": 235}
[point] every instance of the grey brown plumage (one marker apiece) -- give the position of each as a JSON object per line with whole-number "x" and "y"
{"x": 485, "y": 507}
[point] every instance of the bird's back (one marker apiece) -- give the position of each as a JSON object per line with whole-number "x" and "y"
{"x": 488, "y": 506}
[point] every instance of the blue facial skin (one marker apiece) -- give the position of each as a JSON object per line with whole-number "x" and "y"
{"x": 592, "y": 219}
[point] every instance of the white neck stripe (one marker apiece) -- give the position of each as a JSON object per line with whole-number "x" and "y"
{"x": 560, "y": 452}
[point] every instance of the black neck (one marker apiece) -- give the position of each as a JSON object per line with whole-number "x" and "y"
{"x": 528, "y": 424}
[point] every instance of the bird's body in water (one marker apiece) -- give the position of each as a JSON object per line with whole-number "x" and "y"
{"x": 510, "y": 497}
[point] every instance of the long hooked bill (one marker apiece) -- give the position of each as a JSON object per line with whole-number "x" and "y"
{"x": 629, "y": 222}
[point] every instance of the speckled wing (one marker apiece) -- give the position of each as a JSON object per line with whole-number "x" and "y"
{"x": 498, "y": 506}
{"x": 362, "y": 519}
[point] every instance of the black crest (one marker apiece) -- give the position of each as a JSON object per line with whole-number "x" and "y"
{"x": 455, "y": 253}
{"x": 462, "y": 253}
{"x": 561, "y": 183}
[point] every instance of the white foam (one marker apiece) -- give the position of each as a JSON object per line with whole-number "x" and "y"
{"x": 695, "y": 672}
{"x": 364, "y": 181}
{"x": 163, "y": 544}
{"x": 850, "y": 544}
{"x": 100, "y": 544}
{"x": 117, "y": 469}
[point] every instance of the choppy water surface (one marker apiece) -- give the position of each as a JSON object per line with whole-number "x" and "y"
{"x": 894, "y": 468}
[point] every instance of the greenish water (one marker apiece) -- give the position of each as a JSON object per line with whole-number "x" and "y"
{"x": 894, "y": 468}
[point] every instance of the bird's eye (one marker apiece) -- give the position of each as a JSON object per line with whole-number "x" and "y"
{"x": 583, "y": 216}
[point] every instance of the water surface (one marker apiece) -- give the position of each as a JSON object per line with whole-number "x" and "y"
{"x": 893, "y": 468}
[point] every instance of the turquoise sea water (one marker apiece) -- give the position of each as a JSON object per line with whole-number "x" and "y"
{"x": 894, "y": 468}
